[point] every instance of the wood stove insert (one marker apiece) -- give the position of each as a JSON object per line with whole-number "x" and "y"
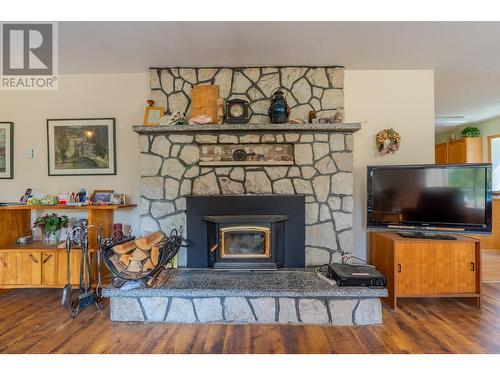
{"x": 245, "y": 241}
{"x": 245, "y": 232}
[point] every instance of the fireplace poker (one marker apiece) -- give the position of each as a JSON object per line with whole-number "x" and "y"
{"x": 87, "y": 296}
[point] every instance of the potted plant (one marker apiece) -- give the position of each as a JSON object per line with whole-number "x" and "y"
{"x": 51, "y": 225}
{"x": 471, "y": 132}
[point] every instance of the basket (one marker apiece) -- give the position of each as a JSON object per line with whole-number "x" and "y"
{"x": 168, "y": 250}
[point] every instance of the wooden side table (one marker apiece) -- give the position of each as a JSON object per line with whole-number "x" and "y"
{"x": 427, "y": 267}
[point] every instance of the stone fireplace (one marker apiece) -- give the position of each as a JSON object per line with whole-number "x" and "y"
{"x": 320, "y": 172}
{"x": 313, "y": 161}
{"x": 257, "y": 196}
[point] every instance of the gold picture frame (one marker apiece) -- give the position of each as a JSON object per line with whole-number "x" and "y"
{"x": 153, "y": 114}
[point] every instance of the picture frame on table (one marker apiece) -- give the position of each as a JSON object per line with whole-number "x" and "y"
{"x": 101, "y": 196}
{"x": 118, "y": 199}
{"x": 6, "y": 150}
{"x": 81, "y": 147}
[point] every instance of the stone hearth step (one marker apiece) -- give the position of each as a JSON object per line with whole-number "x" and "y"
{"x": 284, "y": 296}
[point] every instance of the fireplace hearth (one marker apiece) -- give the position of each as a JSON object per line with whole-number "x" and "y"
{"x": 245, "y": 232}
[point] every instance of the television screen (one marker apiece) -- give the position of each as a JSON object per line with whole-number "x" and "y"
{"x": 430, "y": 197}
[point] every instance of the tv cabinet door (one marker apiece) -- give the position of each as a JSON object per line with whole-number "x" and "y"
{"x": 455, "y": 268}
{"x": 414, "y": 269}
{"x": 436, "y": 268}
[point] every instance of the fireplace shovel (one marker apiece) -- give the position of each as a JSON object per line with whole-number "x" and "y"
{"x": 66, "y": 295}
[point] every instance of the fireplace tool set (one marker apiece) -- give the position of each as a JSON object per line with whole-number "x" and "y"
{"x": 87, "y": 295}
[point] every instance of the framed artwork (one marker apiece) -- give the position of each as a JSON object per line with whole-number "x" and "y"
{"x": 81, "y": 147}
{"x": 6, "y": 150}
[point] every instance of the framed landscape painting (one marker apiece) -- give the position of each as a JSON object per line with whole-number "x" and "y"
{"x": 81, "y": 147}
{"x": 6, "y": 150}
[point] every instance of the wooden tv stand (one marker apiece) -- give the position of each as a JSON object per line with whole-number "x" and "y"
{"x": 427, "y": 267}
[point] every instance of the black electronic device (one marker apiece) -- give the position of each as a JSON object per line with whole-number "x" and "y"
{"x": 429, "y": 198}
{"x": 356, "y": 275}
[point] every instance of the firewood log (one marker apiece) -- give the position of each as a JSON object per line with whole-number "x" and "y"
{"x": 124, "y": 248}
{"x": 155, "y": 253}
{"x": 138, "y": 255}
{"x": 120, "y": 267}
{"x": 125, "y": 259}
{"x": 148, "y": 265}
{"x": 135, "y": 266}
{"x": 147, "y": 242}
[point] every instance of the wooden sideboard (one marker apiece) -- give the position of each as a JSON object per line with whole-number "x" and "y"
{"x": 39, "y": 266}
{"x": 36, "y": 265}
{"x": 427, "y": 267}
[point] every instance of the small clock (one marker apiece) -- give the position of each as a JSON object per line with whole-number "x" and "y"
{"x": 236, "y": 111}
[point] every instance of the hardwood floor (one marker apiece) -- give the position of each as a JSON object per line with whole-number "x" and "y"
{"x": 491, "y": 265}
{"x": 31, "y": 321}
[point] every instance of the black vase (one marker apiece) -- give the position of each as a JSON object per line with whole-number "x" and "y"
{"x": 278, "y": 110}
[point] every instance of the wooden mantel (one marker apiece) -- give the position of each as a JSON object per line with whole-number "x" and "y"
{"x": 249, "y": 128}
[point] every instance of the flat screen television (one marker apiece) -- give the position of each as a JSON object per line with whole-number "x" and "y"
{"x": 421, "y": 198}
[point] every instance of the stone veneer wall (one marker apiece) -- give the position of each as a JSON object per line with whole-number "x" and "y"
{"x": 305, "y": 88}
{"x": 322, "y": 172}
{"x": 326, "y": 311}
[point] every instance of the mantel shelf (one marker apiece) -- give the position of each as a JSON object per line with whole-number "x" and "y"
{"x": 348, "y": 128}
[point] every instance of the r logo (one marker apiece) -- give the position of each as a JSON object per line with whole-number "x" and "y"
{"x": 27, "y": 49}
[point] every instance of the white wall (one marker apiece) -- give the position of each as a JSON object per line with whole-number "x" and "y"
{"x": 122, "y": 96}
{"x": 403, "y": 100}
{"x": 380, "y": 99}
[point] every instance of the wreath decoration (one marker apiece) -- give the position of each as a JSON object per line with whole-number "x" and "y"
{"x": 388, "y": 141}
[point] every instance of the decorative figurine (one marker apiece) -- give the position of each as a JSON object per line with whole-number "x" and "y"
{"x": 81, "y": 196}
{"x": 339, "y": 116}
{"x": 279, "y": 109}
{"x": 312, "y": 116}
{"x": 176, "y": 118}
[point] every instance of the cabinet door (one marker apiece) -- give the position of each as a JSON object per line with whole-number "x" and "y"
{"x": 433, "y": 268}
{"x": 474, "y": 150}
{"x": 414, "y": 269}
{"x": 28, "y": 268}
{"x": 441, "y": 153}
{"x": 49, "y": 268}
{"x": 455, "y": 268}
{"x": 7, "y": 268}
{"x": 457, "y": 152}
{"x": 74, "y": 267}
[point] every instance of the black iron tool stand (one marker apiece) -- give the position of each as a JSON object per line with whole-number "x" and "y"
{"x": 88, "y": 296}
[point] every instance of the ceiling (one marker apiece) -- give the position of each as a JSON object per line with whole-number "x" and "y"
{"x": 464, "y": 55}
